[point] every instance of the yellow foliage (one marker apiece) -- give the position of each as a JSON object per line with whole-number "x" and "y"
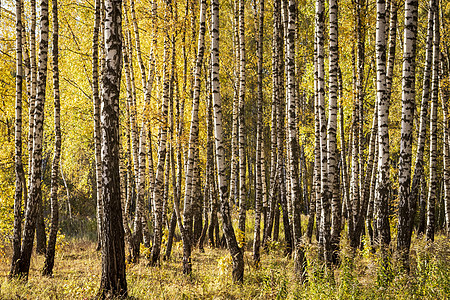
{"x": 146, "y": 252}
{"x": 224, "y": 264}
{"x": 61, "y": 242}
{"x": 240, "y": 236}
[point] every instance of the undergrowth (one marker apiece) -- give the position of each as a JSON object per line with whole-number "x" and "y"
{"x": 359, "y": 275}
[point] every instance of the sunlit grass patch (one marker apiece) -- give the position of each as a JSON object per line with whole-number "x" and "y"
{"x": 78, "y": 269}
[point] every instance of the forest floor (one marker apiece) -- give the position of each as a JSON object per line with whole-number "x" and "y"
{"x": 359, "y": 276}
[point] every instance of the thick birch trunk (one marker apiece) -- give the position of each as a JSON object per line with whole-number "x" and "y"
{"x": 332, "y": 129}
{"x": 408, "y": 108}
{"x": 404, "y": 234}
{"x": 113, "y": 280}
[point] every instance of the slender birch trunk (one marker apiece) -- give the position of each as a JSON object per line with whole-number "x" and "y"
{"x": 235, "y": 251}
{"x": 97, "y": 133}
{"x": 33, "y": 91}
{"x": 325, "y": 216}
{"x": 432, "y": 192}
{"x": 234, "y": 173}
{"x": 299, "y": 255}
{"x": 170, "y": 163}
{"x": 392, "y": 45}
{"x": 443, "y": 81}
{"x": 34, "y": 197}
{"x": 242, "y": 173}
{"x": 18, "y": 167}
{"x": 382, "y": 205}
{"x": 316, "y": 171}
{"x": 138, "y": 47}
{"x": 345, "y": 181}
{"x": 136, "y": 235}
{"x": 157, "y": 193}
{"x": 193, "y": 142}
{"x": 50, "y": 253}
{"x": 273, "y": 132}
{"x": 259, "y": 163}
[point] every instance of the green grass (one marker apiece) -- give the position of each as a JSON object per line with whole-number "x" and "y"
{"x": 77, "y": 276}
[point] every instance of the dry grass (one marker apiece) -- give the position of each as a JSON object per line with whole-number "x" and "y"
{"x": 77, "y": 276}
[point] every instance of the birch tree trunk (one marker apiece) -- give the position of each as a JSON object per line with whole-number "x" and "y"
{"x": 193, "y": 143}
{"x": 97, "y": 133}
{"x": 273, "y": 132}
{"x": 33, "y": 91}
{"x": 432, "y": 192}
{"x": 299, "y": 255}
{"x": 113, "y": 280}
{"x": 158, "y": 188}
{"x": 138, "y": 47}
{"x": 133, "y": 143}
{"x": 235, "y": 129}
{"x": 259, "y": 163}
{"x": 325, "y": 217}
{"x": 392, "y": 45}
{"x": 332, "y": 128}
{"x": 133, "y": 156}
{"x": 404, "y": 234}
{"x": 18, "y": 167}
{"x": 242, "y": 188}
{"x": 35, "y": 196}
{"x": 345, "y": 181}
{"x": 170, "y": 164}
{"x": 443, "y": 80}
{"x": 50, "y": 253}
{"x": 317, "y": 163}
{"x": 235, "y": 251}
{"x": 132, "y": 98}
{"x": 382, "y": 205}
{"x": 408, "y": 108}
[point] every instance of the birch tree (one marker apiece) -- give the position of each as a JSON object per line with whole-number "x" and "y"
{"x": 242, "y": 183}
{"x": 273, "y": 131}
{"x": 97, "y": 133}
{"x": 408, "y": 108}
{"x": 332, "y": 125}
{"x": 325, "y": 217}
{"x": 431, "y": 227}
{"x": 50, "y": 253}
{"x": 293, "y": 143}
{"x": 235, "y": 251}
{"x": 18, "y": 167}
{"x": 113, "y": 279}
{"x": 404, "y": 234}
{"x": 157, "y": 193}
{"x": 193, "y": 136}
{"x": 383, "y": 132}
{"x": 443, "y": 81}
{"x": 34, "y": 197}
{"x": 259, "y": 163}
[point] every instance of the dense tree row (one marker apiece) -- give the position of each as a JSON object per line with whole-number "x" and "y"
{"x": 299, "y": 120}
